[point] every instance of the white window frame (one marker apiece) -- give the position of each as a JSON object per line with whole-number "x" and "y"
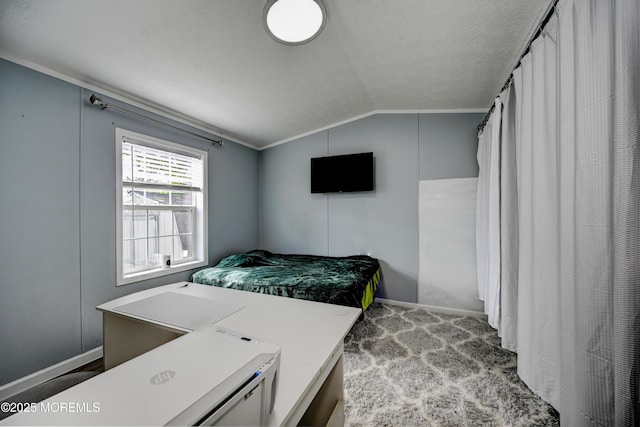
{"x": 200, "y": 225}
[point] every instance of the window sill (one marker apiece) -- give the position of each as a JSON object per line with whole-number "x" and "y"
{"x": 159, "y": 272}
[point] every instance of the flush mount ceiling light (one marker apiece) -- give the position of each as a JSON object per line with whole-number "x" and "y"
{"x": 294, "y": 22}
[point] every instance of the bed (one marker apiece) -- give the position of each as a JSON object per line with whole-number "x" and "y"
{"x": 350, "y": 281}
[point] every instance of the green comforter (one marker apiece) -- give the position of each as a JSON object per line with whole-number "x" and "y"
{"x": 350, "y": 281}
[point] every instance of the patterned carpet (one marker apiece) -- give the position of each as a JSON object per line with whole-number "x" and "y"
{"x": 409, "y": 367}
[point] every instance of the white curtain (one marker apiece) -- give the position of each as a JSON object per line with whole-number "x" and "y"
{"x": 570, "y": 213}
{"x": 537, "y": 188}
{"x": 482, "y": 209}
{"x": 599, "y": 66}
{"x": 508, "y": 223}
{"x": 488, "y": 217}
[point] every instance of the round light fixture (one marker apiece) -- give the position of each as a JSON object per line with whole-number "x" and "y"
{"x": 294, "y": 22}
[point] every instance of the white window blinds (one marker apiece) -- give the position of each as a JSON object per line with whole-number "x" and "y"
{"x": 144, "y": 166}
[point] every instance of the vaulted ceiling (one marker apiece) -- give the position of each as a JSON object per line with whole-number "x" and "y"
{"x": 212, "y": 62}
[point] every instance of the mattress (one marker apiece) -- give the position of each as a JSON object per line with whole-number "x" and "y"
{"x": 350, "y": 281}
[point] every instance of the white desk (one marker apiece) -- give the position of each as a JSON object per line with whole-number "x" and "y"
{"x": 310, "y": 335}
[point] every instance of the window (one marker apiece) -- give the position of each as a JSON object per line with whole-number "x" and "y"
{"x": 161, "y": 206}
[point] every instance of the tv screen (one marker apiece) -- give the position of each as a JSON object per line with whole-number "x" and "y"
{"x": 341, "y": 174}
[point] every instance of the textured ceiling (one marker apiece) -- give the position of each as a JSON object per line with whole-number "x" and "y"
{"x": 212, "y": 62}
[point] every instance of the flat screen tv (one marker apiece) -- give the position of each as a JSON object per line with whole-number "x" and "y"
{"x": 342, "y": 174}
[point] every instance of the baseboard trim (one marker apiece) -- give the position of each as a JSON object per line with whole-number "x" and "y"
{"x": 434, "y": 308}
{"x": 46, "y": 374}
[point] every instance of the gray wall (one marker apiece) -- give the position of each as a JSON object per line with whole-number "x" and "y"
{"x": 407, "y": 148}
{"x": 448, "y": 145}
{"x": 57, "y": 215}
